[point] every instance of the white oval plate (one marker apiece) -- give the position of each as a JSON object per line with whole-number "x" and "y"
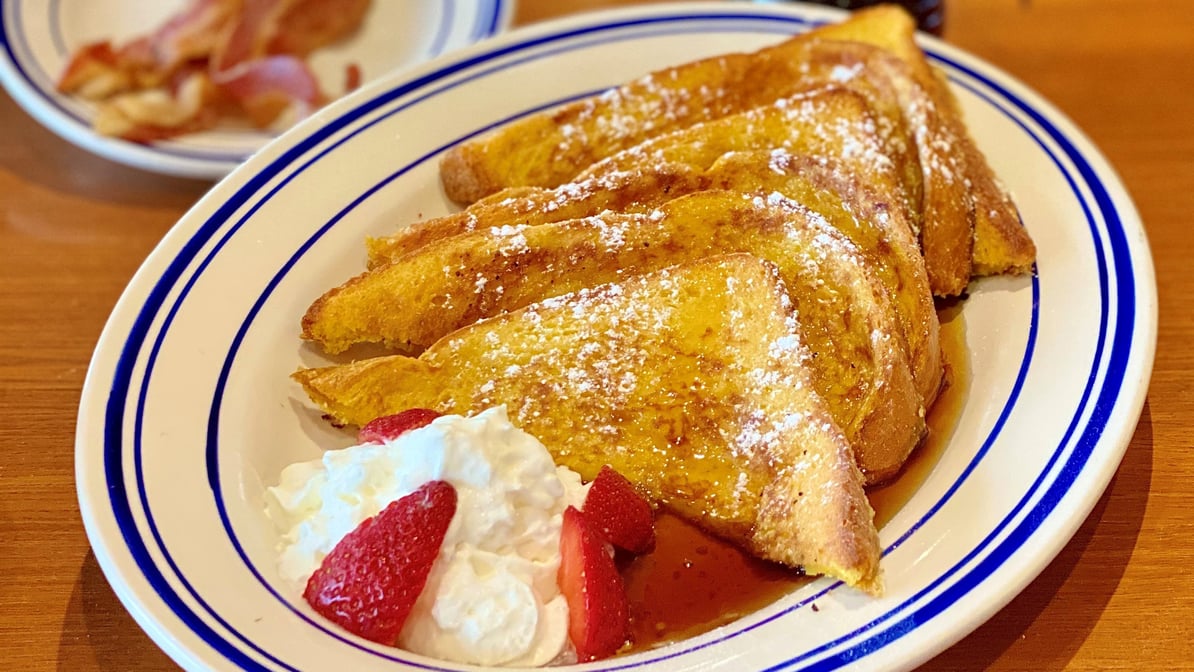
{"x": 188, "y": 414}
{"x": 37, "y": 38}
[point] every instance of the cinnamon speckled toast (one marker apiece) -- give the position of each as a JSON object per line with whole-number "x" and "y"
{"x": 966, "y": 213}
{"x": 862, "y": 365}
{"x": 692, "y": 381}
{"x": 862, "y": 210}
{"x": 834, "y": 126}
{"x": 1001, "y": 245}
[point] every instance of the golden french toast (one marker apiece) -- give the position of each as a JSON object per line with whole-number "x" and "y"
{"x": 862, "y": 210}
{"x": 692, "y": 381}
{"x": 635, "y": 191}
{"x": 885, "y": 237}
{"x": 1001, "y": 245}
{"x": 946, "y": 208}
{"x": 718, "y": 279}
{"x": 966, "y": 214}
{"x": 835, "y": 124}
{"x": 861, "y": 368}
{"x": 551, "y": 148}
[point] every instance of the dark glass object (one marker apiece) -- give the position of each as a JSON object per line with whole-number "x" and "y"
{"x": 929, "y": 14}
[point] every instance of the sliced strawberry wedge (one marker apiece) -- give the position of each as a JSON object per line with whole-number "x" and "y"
{"x": 616, "y": 508}
{"x": 371, "y": 579}
{"x": 390, "y": 427}
{"x": 598, "y": 611}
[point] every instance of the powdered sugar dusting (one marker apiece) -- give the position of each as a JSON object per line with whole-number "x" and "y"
{"x": 510, "y": 239}
{"x": 844, "y": 73}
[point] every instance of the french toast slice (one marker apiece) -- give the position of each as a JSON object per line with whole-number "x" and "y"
{"x": 551, "y": 148}
{"x": 834, "y": 124}
{"x": 636, "y": 191}
{"x": 1001, "y": 244}
{"x": 691, "y": 381}
{"x": 861, "y": 368}
{"x": 946, "y": 207}
{"x": 966, "y": 213}
{"x": 862, "y": 210}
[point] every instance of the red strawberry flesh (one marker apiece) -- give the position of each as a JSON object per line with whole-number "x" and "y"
{"x": 371, "y": 579}
{"x": 622, "y": 515}
{"x": 598, "y": 610}
{"x": 390, "y": 427}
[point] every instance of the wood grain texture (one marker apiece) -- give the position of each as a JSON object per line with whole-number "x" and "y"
{"x": 74, "y": 228}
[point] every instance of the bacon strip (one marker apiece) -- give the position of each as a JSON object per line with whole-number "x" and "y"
{"x": 266, "y": 87}
{"x": 249, "y": 52}
{"x": 195, "y": 33}
{"x": 249, "y": 32}
{"x": 308, "y": 25}
{"x": 95, "y": 71}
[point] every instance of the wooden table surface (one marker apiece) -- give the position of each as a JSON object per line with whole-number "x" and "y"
{"x": 74, "y": 228}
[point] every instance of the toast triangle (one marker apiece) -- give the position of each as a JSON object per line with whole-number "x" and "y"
{"x": 691, "y": 381}
{"x": 971, "y": 224}
{"x": 862, "y": 365}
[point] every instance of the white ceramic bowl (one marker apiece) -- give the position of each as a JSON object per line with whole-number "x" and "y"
{"x": 37, "y": 38}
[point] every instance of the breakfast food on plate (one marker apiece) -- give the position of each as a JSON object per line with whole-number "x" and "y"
{"x": 213, "y": 59}
{"x": 828, "y": 186}
{"x": 613, "y": 516}
{"x": 872, "y": 52}
{"x": 370, "y": 581}
{"x": 862, "y": 368}
{"x": 708, "y": 292}
{"x": 1001, "y": 245}
{"x": 452, "y": 537}
{"x": 692, "y": 382}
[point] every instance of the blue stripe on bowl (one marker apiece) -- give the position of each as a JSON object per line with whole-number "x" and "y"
{"x": 490, "y": 18}
{"x": 55, "y": 13}
{"x": 36, "y": 74}
{"x": 447, "y": 13}
{"x": 126, "y": 366}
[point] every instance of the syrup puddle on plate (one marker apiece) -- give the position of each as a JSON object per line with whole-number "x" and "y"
{"x": 692, "y": 583}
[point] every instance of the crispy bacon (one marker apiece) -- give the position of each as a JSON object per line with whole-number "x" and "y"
{"x": 195, "y": 33}
{"x": 248, "y": 33}
{"x": 352, "y": 77}
{"x": 95, "y": 71}
{"x": 266, "y": 87}
{"x": 308, "y": 25}
{"x": 249, "y": 53}
{"x": 156, "y": 114}
{"x": 294, "y": 27}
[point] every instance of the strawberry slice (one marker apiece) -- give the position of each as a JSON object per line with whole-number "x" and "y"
{"x": 371, "y": 579}
{"x": 616, "y": 508}
{"x": 390, "y": 427}
{"x": 598, "y": 610}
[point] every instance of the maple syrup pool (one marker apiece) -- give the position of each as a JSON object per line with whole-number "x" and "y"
{"x": 691, "y": 582}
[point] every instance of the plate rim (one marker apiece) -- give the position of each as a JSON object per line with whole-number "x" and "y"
{"x": 1139, "y": 257}
{"x": 46, "y": 108}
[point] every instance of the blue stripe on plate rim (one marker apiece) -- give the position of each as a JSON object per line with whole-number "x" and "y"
{"x": 13, "y": 42}
{"x": 1107, "y": 395}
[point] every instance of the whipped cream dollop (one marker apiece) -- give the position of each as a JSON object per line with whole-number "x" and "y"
{"x": 492, "y": 597}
